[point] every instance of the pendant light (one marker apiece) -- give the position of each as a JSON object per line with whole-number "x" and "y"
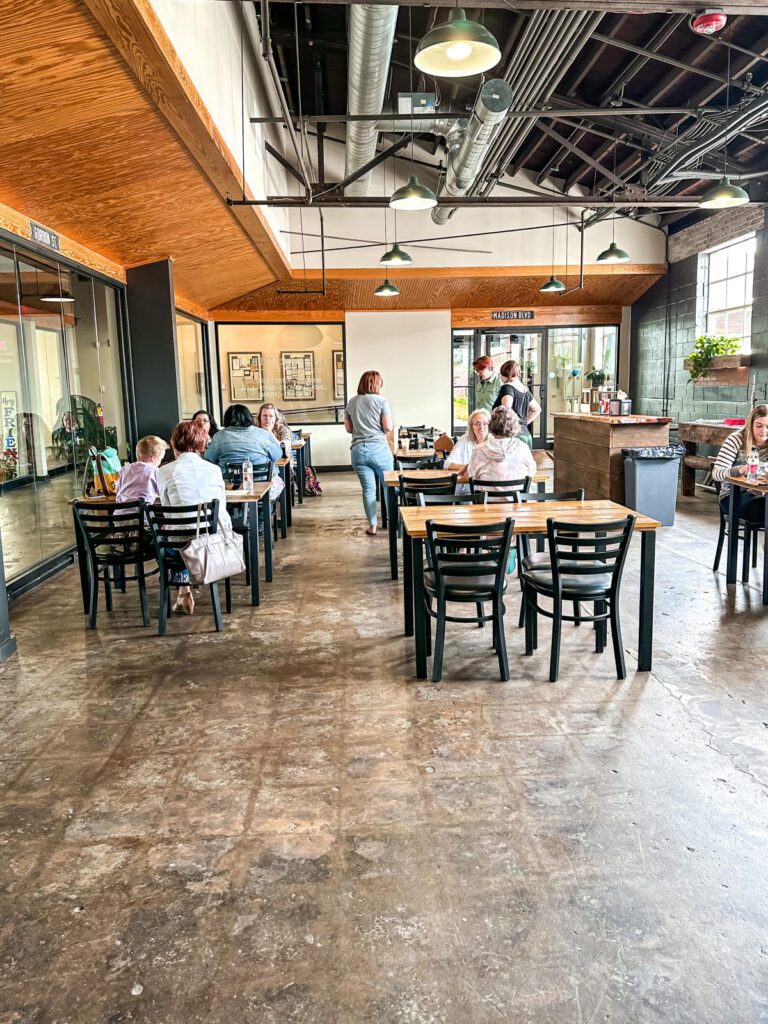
{"x": 413, "y": 195}
{"x": 396, "y": 257}
{"x": 64, "y": 296}
{"x": 554, "y": 284}
{"x": 386, "y": 290}
{"x": 724, "y": 195}
{"x": 613, "y": 254}
{"x": 457, "y": 48}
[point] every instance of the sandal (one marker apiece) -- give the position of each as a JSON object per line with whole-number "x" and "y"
{"x": 371, "y": 531}
{"x": 185, "y": 604}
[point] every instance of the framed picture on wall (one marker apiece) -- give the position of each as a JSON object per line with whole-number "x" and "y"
{"x": 338, "y": 373}
{"x": 298, "y": 373}
{"x": 246, "y": 379}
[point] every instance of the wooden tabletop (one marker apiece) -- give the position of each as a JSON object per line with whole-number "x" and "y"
{"x": 94, "y": 499}
{"x": 414, "y": 453}
{"x": 755, "y": 488}
{"x": 392, "y": 476}
{"x": 298, "y": 444}
{"x": 283, "y": 462}
{"x": 260, "y": 488}
{"x": 615, "y": 421}
{"x": 529, "y": 518}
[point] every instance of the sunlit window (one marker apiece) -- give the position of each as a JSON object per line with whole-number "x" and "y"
{"x": 729, "y": 290}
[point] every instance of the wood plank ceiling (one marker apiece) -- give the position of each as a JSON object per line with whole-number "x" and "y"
{"x": 86, "y": 152}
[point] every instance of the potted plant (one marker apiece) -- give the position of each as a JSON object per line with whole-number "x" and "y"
{"x": 708, "y": 349}
{"x": 596, "y": 377}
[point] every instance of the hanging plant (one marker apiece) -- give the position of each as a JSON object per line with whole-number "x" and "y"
{"x": 705, "y": 349}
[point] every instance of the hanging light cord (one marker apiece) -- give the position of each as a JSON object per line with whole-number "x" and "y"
{"x": 727, "y": 100}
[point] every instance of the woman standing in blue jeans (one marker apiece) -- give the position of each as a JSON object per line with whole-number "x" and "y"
{"x": 368, "y": 419}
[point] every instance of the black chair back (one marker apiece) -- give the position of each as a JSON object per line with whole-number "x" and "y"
{"x": 588, "y": 549}
{"x": 173, "y": 526}
{"x": 411, "y": 486}
{"x": 423, "y": 498}
{"x": 233, "y": 472}
{"x": 551, "y": 495}
{"x": 469, "y": 551}
{"x": 418, "y": 462}
{"x": 114, "y": 534}
{"x": 501, "y": 490}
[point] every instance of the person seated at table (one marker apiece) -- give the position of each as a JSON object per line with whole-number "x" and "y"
{"x": 514, "y": 395}
{"x": 732, "y": 461}
{"x": 189, "y": 480}
{"x": 138, "y": 480}
{"x": 272, "y": 420}
{"x": 204, "y": 417}
{"x": 477, "y": 432}
{"x": 503, "y": 456}
{"x": 239, "y": 439}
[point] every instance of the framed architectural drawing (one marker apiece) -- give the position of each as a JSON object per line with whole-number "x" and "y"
{"x": 298, "y": 372}
{"x": 338, "y": 373}
{"x": 246, "y": 379}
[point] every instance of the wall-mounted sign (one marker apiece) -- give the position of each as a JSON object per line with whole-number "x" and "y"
{"x": 512, "y": 314}
{"x": 9, "y": 408}
{"x": 43, "y": 236}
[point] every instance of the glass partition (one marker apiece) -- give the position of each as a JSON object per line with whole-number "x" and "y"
{"x": 60, "y": 394}
{"x": 297, "y": 367}
{"x": 189, "y": 342}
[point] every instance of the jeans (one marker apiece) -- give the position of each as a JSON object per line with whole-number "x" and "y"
{"x": 371, "y": 461}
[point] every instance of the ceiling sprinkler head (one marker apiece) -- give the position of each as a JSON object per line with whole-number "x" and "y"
{"x": 708, "y": 22}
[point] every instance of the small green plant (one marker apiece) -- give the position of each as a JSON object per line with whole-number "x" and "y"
{"x": 596, "y": 377}
{"x": 705, "y": 348}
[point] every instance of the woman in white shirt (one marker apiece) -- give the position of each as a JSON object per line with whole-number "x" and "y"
{"x": 477, "y": 432}
{"x": 189, "y": 480}
{"x": 503, "y": 456}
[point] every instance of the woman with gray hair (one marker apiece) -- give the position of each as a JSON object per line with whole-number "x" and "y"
{"x": 503, "y": 456}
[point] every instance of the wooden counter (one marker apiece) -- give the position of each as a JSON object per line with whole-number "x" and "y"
{"x": 588, "y": 450}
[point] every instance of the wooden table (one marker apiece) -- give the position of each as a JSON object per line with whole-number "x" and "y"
{"x": 588, "y": 450}
{"x": 414, "y": 453}
{"x": 691, "y": 435}
{"x": 260, "y": 493}
{"x": 298, "y": 447}
{"x": 391, "y": 484}
{"x": 739, "y": 483}
{"x": 528, "y": 519}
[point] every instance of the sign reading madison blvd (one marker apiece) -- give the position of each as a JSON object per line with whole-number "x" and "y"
{"x": 512, "y": 314}
{"x": 43, "y": 236}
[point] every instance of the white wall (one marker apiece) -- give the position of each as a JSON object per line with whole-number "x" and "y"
{"x": 206, "y": 36}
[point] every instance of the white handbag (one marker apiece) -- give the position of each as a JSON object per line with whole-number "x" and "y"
{"x": 213, "y": 556}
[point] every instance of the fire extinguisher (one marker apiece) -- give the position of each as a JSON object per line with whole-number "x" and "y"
{"x": 100, "y": 414}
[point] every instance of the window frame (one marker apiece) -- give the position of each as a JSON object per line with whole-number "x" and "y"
{"x": 706, "y": 283}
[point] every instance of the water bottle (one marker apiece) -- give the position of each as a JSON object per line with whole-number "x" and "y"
{"x": 248, "y": 476}
{"x": 753, "y": 465}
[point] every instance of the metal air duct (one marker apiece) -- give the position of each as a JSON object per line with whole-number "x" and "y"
{"x": 371, "y": 35}
{"x": 466, "y": 153}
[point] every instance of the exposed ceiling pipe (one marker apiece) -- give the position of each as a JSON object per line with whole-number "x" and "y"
{"x": 470, "y": 142}
{"x": 371, "y": 35}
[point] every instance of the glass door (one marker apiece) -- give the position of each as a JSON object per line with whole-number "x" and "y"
{"x": 526, "y": 348}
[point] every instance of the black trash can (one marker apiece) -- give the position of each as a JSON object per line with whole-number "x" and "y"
{"x": 650, "y": 480}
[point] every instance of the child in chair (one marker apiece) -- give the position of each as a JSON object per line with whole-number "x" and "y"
{"x": 139, "y": 479}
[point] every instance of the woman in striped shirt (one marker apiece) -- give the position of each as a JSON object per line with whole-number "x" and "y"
{"x": 732, "y": 461}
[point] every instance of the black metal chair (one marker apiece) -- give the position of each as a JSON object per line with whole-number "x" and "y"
{"x": 586, "y": 564}
{"x": 411, "y": 486}
{"x": 172, "y": 527}
{"x": 238, "y": 513}
{"x": 427, "y": 498}
{"x": 417, "y": 461}
{"x": 116, "y": 540}
{"x": 500, "y": 490}
{"x": 748, "y": 534}
{"x": 467, "y": 564}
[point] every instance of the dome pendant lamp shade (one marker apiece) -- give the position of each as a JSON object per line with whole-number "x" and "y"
{"x": 554, "y": 284}
{"x": 413, "y": 196}
{"x": 458, "y": 48}
{"x": 396, "y": 257}
{"x": 386, "y": 290}
{"x": 723, "y": 196}
{"x": 613, "y": 254}
{"x": 61, "y": 297}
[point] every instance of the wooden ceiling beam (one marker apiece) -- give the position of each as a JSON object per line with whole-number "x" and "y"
{"x": 136, "y": 32}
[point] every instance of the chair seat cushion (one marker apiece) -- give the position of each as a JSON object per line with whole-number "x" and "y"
{"x": 463, "y": 586}
{"x": 577, "y": 586}
{"x": 536, "y": 560}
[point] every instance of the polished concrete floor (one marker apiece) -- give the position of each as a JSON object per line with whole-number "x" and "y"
{"x": 279, "y": 824}
{"x": 36, "y": 521}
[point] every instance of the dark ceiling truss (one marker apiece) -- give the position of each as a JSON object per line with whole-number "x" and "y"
{"x": 643, "y": 91}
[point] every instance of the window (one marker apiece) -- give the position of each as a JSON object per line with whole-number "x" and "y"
{"x": 729, "y": 290}
{"x": 189, "y": 343}
{"x": 297, "y": 367}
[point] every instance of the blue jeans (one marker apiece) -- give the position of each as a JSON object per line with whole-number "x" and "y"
{"x": 370, "y": 461}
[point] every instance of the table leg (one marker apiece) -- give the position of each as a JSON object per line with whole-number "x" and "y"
{"x": 383, "y": 495}
{"x": 688, "y": 473}
{"x": 733, "y": 535}
{"x": 765, "y": 554}
{"x": 407, "y": 584}
{"x": 300, "y": 468}
{"x": 266, "y": 505}
{"x": 253, "y": 548}
{"x": 308, "y": 450}
{"x": 419, "y": 611}
{"x": 647, "y": 582}
{"x": 83, "y": 565}
{"x": 285, "y": 476}
{"x": 392, "y": 530}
